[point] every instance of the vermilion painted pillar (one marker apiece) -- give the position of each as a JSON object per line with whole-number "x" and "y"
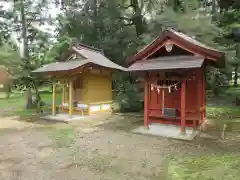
{"x": 199, "y": 97}
{"x": 70, "y": 97}
{"x": 54, "y": 99}
{"x": 146, "y": 94}
{"x": 183, "y": 106}
{"x": 204, "y": 97}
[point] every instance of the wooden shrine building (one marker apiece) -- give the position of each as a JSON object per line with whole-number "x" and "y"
{"x": 85, "y": 77}
{"x": 173, "y": 67}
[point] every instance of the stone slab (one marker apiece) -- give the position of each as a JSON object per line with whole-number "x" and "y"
{"x": 168, "y": 131}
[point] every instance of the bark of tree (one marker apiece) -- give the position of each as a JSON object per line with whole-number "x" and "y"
{"x": 237, "y": 64}
{"x": 29, "y": 102}
{"x": 214, "y": 9}
{"x": 236, "y": 76}
{"x": 137, "y": 17}
{"x": 95, "y": 15}
{"x": 175, "y": 5}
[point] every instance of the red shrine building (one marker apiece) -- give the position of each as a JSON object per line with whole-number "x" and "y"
{"x": 173, "y": 67}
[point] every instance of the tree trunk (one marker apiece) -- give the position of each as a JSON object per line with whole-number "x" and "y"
{"x": 8, "y": 91}
{"x": 214, "y": 7}
{"x": 95, "y": 16}
{"x": 138, "y": 18}
{"x": 28, "y": 98}
{"x": 236, "y": 66}
{"x": 235, "y": 76}
{"x": 214, "y": 10}
{"x": 175, "y": 5}
{"x": 37, "y": 100}
{"x": 25, "y": 49}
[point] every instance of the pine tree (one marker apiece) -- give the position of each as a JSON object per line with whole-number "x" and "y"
{"x": 22, "y": 18}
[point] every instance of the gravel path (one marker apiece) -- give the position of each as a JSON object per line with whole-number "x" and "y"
{"x": 108, "y": 152}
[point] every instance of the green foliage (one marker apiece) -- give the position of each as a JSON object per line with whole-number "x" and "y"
{"x": 9, "y": 57}
{"x": 215, "y": 80}
{"x": 129, "y": 98}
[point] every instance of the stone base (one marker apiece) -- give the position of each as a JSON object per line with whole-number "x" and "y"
{"x": 169, "y": 131}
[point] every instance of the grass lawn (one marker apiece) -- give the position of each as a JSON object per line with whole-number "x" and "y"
{"x": 15, "y": 104}
{"x": 224, "y": 167}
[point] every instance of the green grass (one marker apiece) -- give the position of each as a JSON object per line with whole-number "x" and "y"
{"x": 223, "y": 107}
{"x": 15, "y": 104}
{"x": 15, "y": 101}
{"x": 222, "y": 112}
{"x": 225, "y": 167}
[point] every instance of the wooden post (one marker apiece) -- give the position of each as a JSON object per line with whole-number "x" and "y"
{"x": 70, "y": 98}
{"x": 54, "y": 99}
{"x": 199, "y": 97}
{"x": 183, "y": 106}
{"x": 163, "y": 101}
{"x": 63, "y": 94}
{"x": 88, "y": 110}
{"x": 146, "y": 94}
{"x": 204, "y": 97}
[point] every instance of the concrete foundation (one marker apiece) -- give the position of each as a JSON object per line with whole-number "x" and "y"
{"x": 169, "y": 131}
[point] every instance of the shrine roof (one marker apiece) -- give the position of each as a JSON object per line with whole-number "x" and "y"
{"x": 168, "y": 62}
{"x": 85, "y": 55}
{"x": 187, "y": 42}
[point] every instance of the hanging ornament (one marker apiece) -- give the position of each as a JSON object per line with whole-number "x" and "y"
{"x": 175, "y": 87}
{"x": 152, "y": 87}
{"x": 169, "y": 89}
{"x": 168, "y": 47}
{"x": 158, "y": 90}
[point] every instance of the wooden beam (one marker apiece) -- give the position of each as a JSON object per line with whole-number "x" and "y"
{"x": 54, "y": 99}
{"x": 70, "y": 98}
{"x": 146, "y": 102}
{"x": 163, "y": 101}
{"x": 183, "y": 106}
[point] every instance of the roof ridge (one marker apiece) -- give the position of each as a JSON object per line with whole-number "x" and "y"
{"x": 84, "y": 46}
{"x": 182, "y": 57}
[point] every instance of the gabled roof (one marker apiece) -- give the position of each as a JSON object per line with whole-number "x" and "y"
{"x": 168, "y": 62}
{"x": 88, "y": 54}
{"x": 185, "y": 41}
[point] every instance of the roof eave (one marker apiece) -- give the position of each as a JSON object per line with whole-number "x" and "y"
{"x": 217, "y": 55}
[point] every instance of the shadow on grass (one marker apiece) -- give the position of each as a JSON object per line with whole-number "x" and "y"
{"x": 28, "y": 116}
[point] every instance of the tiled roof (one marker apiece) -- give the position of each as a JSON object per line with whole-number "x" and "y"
{"x": 61, "y": 66}
{"x": 192, "y": 40}
{"x": 188, "y": 41}
{"x": 167, "y": 63}
{"x": 88, "y": 54}
{"x": 97, "y": 57}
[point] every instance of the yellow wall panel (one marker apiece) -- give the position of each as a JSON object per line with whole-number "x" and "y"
{"x": 99, "y": 88}
{"x": 96, "y": 88}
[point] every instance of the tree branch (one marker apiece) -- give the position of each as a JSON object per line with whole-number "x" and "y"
{"x": 129, "y": 24}
{"x": 126, "y": 18}
{"x": 125, "y": 7}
